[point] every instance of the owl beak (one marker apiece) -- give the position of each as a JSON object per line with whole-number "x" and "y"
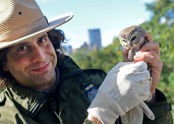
{"x": 130, "y": 43}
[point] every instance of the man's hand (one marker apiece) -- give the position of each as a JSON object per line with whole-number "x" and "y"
{"x": 94, "y": 119}
{"x": 125, "y": 86}
{"x": 149, "y": 53}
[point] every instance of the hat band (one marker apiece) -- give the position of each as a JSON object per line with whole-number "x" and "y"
{"x": 24, "y": 30}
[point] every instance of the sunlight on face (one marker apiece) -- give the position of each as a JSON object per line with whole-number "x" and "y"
{"x": 33, "y": 63}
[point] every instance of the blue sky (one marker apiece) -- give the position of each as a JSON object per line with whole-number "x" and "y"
{"x": 111, "y": 16}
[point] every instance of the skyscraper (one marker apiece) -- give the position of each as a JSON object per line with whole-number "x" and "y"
{"x": 95, "y": 39}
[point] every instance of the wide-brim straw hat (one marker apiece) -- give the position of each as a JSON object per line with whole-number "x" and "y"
{"x": 23, "y": 19}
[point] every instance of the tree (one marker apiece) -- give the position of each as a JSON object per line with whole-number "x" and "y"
{"x": 161, "y": 27}
{"x": 105, "y": 58}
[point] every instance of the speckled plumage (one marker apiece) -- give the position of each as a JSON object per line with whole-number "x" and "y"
{"x": 132, "y": 38}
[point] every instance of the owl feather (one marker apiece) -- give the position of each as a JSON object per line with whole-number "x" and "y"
{"x": 132, "y": 39}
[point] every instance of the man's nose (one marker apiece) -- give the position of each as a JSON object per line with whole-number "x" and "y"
{"x": 38, "y": 54}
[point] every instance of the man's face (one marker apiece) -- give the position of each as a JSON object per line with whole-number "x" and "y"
{"x": 33, "y": 63}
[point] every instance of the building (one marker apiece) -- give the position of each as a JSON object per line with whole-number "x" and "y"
{"x": 84, "y": 45}
{"x": 95, "y": 39}
{"x": 83, "y": 48}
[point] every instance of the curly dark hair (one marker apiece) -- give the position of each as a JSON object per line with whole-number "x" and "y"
{"x": 56, "y": 37}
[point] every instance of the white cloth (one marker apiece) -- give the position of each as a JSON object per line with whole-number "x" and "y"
{"x": 125, "y": 88}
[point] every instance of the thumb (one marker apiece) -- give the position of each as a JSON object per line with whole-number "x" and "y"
{"x": 147, "y": 111}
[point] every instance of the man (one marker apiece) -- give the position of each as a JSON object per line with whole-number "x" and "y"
{"x": 45, "y": 87}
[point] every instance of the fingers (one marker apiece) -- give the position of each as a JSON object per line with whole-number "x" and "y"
{"x": 125, "y": 51}
{"x": 150, "y": 53}
{"x": 151, "y": 46}
{"x": 148, "y": 37}
{"x": 154, "y": 60}
{"x": 154, "y": 85}
{"x": 144, "y": 56}
{"x": 147, "y": 111}
{"x": 149, "y": 56}
{"x": 125, "y": 55}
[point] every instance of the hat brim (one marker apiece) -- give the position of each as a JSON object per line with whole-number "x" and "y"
{"x": 52, "y": 23}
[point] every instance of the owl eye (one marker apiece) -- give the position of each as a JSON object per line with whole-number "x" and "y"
{"x": 133, "y": 38}
{"x": 124, "y": 41}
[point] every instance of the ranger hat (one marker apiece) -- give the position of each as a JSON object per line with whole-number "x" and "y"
{"x": 23, "y": 19}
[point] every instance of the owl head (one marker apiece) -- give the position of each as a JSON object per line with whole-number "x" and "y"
{"x": 132, "y": 37}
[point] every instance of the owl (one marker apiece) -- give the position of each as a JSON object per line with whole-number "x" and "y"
{"x": 132, "y": 38}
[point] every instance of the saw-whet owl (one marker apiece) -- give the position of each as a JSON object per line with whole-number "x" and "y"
{"x": 132, "y": 38}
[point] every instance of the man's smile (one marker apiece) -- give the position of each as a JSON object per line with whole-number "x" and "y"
{"x": 41, "y": 69}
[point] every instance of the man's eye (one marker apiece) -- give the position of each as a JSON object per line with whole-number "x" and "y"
{"x": 42, "y": 40}
{"x": 22, "y": 48}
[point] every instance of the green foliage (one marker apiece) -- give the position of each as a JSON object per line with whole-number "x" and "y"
{"x": 104, "y": 58}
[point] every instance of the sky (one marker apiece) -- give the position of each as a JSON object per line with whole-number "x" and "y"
{"x": 111, "y": 16}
